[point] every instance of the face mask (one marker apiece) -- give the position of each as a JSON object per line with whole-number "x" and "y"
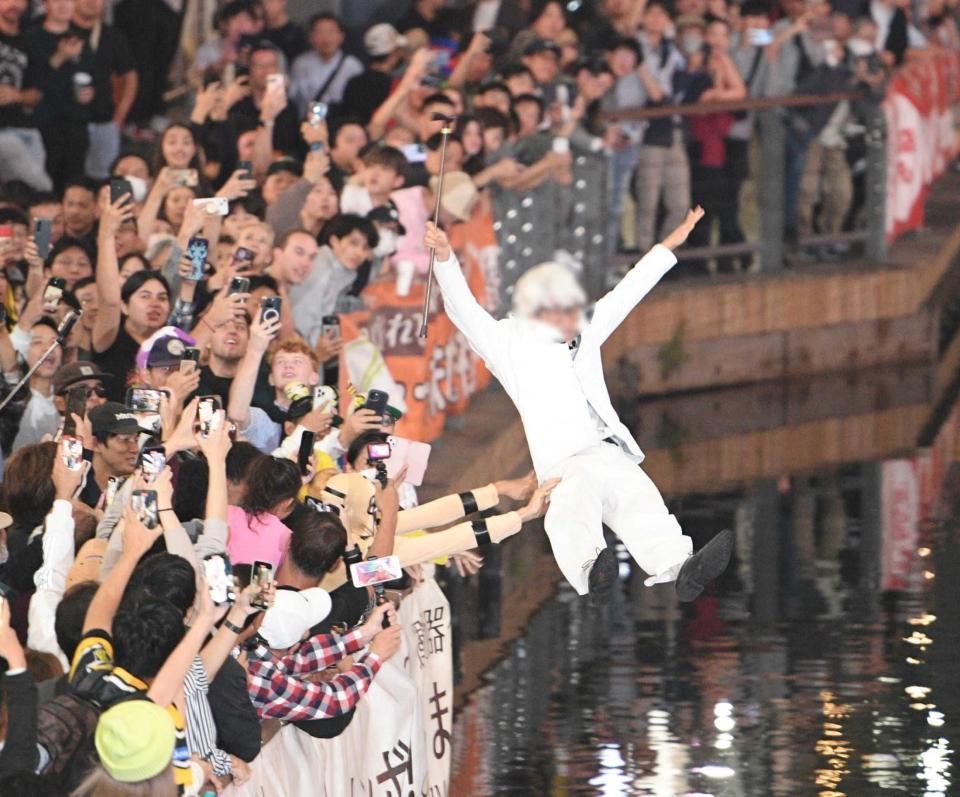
{"x": 387, "y": 244}
{"x": 832, "y": 60}
{"x": 860, "y": 48}
{"x": 691, "y": 43}
{"x": 139, "y": 186}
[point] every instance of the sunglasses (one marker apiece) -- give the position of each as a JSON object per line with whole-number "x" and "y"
{"x": 96, "y": 390}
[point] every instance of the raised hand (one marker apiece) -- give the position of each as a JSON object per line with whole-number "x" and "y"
{"x": 435, "y": 238}
{"x": 679, "y": 235}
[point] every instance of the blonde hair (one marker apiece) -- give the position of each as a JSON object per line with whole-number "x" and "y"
{"x": 100, "y": 783}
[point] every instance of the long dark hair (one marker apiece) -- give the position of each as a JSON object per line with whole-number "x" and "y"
{"x": 270, "y": 480}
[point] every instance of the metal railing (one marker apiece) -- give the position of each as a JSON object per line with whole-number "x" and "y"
{"x": 771, "y": 134}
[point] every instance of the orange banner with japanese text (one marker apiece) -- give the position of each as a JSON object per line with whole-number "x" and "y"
{"x": 429, "y": 378}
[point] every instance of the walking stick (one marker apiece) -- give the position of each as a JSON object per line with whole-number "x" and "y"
{"x": 445, "y": 132}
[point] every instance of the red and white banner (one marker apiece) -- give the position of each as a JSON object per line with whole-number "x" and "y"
{"x": 900, "y": 496}
{"x": 921, "y": 139}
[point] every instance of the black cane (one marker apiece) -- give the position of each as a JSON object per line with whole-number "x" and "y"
{"x": 445, "y": 132}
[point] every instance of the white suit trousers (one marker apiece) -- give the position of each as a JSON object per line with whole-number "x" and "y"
{"x": 602, "y": 485}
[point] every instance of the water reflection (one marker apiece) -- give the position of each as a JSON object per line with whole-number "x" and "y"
{"x": 799, "y": 675}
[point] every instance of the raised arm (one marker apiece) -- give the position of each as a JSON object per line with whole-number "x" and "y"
{"x": 453, "y": 507}
{"x": 482, "y": 332}
{"x": 244, "y": 383}
{"x": 610, "y": 311}
{"x": 137, "y": 540}
{"x": 107, "y": 325}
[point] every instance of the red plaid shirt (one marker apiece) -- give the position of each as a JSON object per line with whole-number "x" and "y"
{"x": 277, "y": 689}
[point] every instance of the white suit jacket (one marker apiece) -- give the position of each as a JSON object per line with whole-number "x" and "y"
{"x": 552, "y": 390}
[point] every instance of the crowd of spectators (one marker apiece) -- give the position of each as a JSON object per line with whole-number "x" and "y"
{"x": 210, "y": 258}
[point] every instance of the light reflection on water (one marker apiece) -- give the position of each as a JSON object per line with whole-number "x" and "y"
{"x": 795, "y": 677}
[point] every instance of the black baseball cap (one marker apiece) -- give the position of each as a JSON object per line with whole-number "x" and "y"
{"x": 114, "y": 418}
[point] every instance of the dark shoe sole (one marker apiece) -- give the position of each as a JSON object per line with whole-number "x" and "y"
{"x": 704, "y": 566}
{"x": 603, "y": 574}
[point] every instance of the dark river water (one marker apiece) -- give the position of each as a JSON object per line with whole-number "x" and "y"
{"x": 825, "y": 662}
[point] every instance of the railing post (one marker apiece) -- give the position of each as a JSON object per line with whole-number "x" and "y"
{"x": 772, "y": 170}
{"x": 876, "y": 187}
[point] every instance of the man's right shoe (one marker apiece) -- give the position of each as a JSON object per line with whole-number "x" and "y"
{"x": 603, "y": 574}
{"x": 704, "y": 566}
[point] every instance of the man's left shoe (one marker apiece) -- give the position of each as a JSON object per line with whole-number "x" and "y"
{"x": 603, "y": 574}
{"x": 704, "y": 566}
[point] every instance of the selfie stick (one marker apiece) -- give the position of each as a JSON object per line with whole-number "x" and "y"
{"x": 63, "y": 332}
{"x": 445, "y": 132}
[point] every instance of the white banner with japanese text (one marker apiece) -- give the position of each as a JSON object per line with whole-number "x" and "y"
{"x": 399, "y": 742}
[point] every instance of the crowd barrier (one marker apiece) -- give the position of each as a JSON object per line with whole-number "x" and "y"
{"x": 400, "y": 740}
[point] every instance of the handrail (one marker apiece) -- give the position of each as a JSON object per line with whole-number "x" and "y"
{"x": 748, "y": 104}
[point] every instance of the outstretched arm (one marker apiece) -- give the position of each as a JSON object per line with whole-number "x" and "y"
{"x": 478, "y": 326}
{"x": 617, "y": 304}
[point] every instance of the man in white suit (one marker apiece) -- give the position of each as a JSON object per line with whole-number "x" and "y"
{"x": 547, "y": 357}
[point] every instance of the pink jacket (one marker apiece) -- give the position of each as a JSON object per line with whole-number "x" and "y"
{"x": 261, "y": 538}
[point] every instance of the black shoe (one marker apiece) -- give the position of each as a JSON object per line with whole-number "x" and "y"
{"x": 603, "y": 573}
{"x": 704, "y": 566}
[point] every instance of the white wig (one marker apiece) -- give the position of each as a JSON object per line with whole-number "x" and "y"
{"x": 549, "y": 286}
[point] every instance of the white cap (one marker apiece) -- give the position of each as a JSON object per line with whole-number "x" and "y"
{"x": 382, "y": 39}
{"x": 549, "y": 286}
{"x": 460, "y": 195}
{"x": 293, "y": 614}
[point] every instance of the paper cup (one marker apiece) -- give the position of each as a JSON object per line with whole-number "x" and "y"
{"x": 405, "y": 269}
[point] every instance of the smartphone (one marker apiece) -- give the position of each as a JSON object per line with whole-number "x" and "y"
{"x": 246, "y": 169}
{"x": 261, "y": 575}
{"x": 184, "y": 177}
{"x": 410, "y": 454}
{"x": 214, "y": 205}
{"x": 76, "y": 405}
{"x": 42, "y": 231}
{"x": 330, "y": 325}
{"x": 190, "y": 361}
{"x": 197, "y": 251}
{"x": 144, "y": 399}
{"x": 377, "y": 452}
{"x": 113, "y": 484}
{"x": 208, "y": 414}
{"x": 276, "y": 82}
{"x": 220, "y": 579}
{"x": 238, "y": 285}
{"x": 269, "y": 308}
{"x": 307, "y": 441}
{"x": 144, "y": 505}
{"x": 243, "y": 255}
{"x": 318, "y": 113}
{"x": 440, "y": 60}
{"x": 120, "y": 186}
{"x": 153, "y": 459}
{"x": 377, "y": 401}
{"x": 53, "y": 293}
{"x": 759, "y": 37}
{"x": 325, "y": 397}
{"x": 71, "y": 449}
{"x": 414, "y": 153}
{"x": 6, "y": 236}
{"x": 376, "y": 571}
